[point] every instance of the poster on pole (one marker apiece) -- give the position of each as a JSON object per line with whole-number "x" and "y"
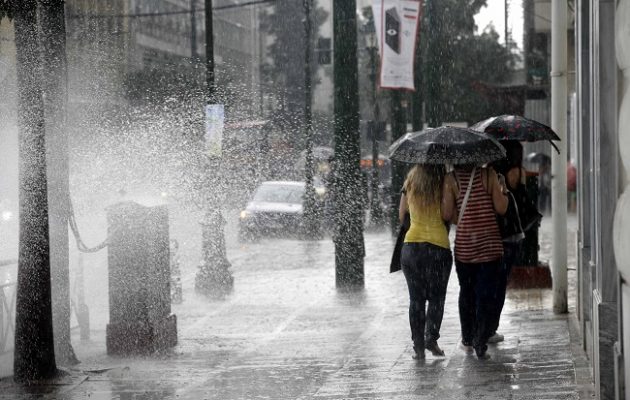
{"x": 397, "y": 23}
{"x": 215, "y": 117}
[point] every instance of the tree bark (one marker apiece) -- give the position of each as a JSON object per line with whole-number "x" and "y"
{"x": 53, "y": 45}
{"x": 34, "y": 354}
{"x": 348, "y": 237}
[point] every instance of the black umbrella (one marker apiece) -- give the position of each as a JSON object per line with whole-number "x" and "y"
{"x": 514, "y": 127}
{"x": 446, "y": 145}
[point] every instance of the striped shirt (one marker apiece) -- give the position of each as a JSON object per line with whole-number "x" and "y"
{"x": 477, "y": 238}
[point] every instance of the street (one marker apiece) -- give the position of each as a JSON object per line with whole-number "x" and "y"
{"x": 286, "y": 332}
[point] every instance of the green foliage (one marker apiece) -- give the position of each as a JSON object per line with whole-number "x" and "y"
{"x": 283, "y": 74}
{"x": 5, "y": 9}
{"x": 461, "y": 60}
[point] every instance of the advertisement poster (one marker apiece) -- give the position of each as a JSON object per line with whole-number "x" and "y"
{"x": 215, "y": 117}
{"x": 397, "y": 22}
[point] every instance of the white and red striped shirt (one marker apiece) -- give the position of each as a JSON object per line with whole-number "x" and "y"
{"x": 477, "y": 238}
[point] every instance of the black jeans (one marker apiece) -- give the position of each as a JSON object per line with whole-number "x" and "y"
{"x": 511, "y": 251}
{"x": 477, "y": 293}
{"x": 427, "y": 268}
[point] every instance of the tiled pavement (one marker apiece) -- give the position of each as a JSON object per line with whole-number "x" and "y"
{"x": 286, "y": 332}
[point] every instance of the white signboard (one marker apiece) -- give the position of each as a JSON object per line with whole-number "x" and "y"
{"x": 215, "y": 117}
{"x": 397, "y": 22}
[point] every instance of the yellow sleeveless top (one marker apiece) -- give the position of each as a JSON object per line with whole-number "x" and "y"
{"x": 427, "y": 226}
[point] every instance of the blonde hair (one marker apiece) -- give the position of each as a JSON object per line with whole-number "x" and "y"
{"x": 423, "y": 184}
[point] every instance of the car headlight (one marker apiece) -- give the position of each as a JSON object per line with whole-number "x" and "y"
{"x": 245, "y": 214}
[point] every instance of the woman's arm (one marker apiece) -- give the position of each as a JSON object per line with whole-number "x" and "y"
{"x": 449, "y": 201}
{"x": 499, "y": 199}
{"x": 403, "y": 208}
{"x": 513, "y": 177}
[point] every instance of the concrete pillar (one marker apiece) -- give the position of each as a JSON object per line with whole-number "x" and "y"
{"x": 621, "y": 225}
{"x": 559, "y": 10}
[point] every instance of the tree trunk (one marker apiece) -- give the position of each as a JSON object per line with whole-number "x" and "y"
{"x": 432, "y": 68}
{"x": 53, "y": 45}
{"x": 348, "y": 237}
{"x": 34, "y": 356}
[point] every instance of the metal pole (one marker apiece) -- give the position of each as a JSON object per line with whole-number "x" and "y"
{"x": 559, "y": 161}
{"x": 193, "y": 31}
{"x": 348, "y": 215}
{"x": 310, "y": 228}
{"x": 209, "y": 54}
{"x": 376, "y": 214}
{"x": 214, "y": 277}
{"x": 506, "y": 6}
{"x": 432, "y": 67}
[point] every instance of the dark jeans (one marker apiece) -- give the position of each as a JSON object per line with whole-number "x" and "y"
{"x": 427, "y": 268}
{"x": 511, "y": 251}
{"x": 477, "y": 288}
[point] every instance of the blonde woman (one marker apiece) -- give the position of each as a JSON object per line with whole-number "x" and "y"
{"x": 426, "y": 258}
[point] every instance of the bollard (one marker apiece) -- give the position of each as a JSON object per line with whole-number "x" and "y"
{"x": 140, "y": 319}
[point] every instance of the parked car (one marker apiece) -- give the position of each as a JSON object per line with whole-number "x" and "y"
{"x": 275, "y": 208}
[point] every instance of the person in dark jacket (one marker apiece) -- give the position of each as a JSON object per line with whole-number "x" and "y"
{"x": 512, "y": 234}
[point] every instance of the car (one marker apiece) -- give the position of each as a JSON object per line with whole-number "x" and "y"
{"x": 274, "y": 209}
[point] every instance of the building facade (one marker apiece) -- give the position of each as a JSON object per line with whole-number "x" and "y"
{"x": 603, "y": 143}
{"x": 120, "y": 43}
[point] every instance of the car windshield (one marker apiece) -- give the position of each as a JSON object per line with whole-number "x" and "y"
{"x": 279, "y": 194}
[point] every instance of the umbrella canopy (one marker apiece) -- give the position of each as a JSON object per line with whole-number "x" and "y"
{"x": 514, "y": 127}
{"x": 446, "y": 145}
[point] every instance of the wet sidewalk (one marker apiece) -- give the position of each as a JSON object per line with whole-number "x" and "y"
{"x": 286, "y": 332}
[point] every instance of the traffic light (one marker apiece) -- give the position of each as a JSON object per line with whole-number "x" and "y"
{"x": 324, "y": 51}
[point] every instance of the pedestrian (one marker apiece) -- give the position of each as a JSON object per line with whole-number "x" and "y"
{"x": 478, "y": 195}
{"x": 426, "y": 258}
{"x": 571, "y": 186}
{"x": 510, "y": 224}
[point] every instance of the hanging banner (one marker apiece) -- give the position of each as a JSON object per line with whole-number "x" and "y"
{"x": 396, "y": 23}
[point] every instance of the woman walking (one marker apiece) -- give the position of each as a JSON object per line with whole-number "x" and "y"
{"x": 426, "y": 258}
{"x": 478, "y": 195}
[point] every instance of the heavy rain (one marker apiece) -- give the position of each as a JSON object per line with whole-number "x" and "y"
{"x": 199, "y": 199}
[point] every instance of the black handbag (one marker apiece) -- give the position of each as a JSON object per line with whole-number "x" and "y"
{"x": 400, "y": 240}
{"x": 509, "y": 223}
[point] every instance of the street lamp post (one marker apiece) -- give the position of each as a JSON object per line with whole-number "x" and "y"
{"x": 214, "y": 277}
{"x": 310, "y": 211}
{"x": 376, "y": 128}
